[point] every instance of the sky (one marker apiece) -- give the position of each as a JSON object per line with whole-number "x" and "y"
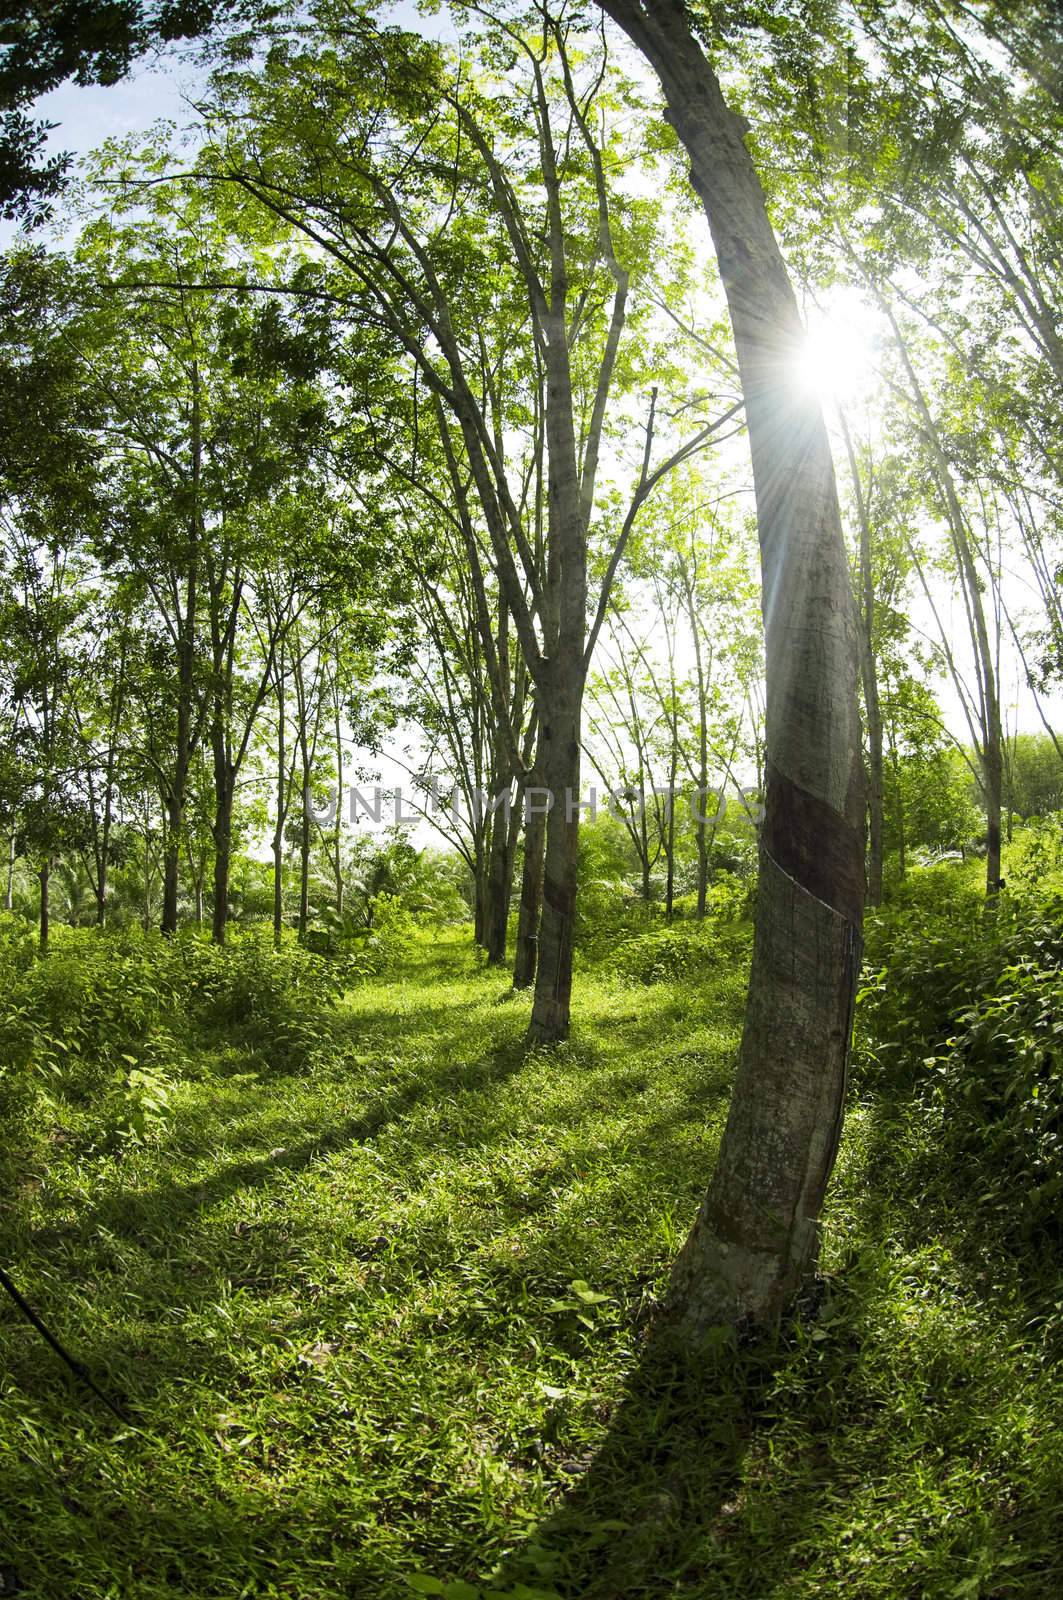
{"x": 84, "y": 118}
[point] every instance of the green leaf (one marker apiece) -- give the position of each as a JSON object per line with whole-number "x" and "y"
{"x": 589, "y": 1296}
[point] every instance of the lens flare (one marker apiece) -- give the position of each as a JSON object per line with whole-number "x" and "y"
{"x": 836, "y": 360}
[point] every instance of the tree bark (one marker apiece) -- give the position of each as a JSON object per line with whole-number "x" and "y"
{"x": 282, "y": 807}
{"x": 45, "y": 919}
{"x": 186, "y": 738}
{"x": 479, "y": 879}
{"x": 531, "y": 892}
{"x": 756, "y": 1234}
{"x": 304, "y": 851}
{"x": 222, "y": 831}
{"x": 700, "y": 824}
{"x": 869, "y": 675}
{"x": 669, "y": 830}
{"x": 337, "y": 828}
{"x": 499, "y": 867}
{"x": 561, "y": 776}
{"x": 171, "y": 864}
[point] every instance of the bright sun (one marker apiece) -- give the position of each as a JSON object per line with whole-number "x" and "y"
{"x": 836, "y": 361}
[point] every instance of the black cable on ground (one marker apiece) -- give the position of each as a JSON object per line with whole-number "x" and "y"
{"x": 76, "y": 1367}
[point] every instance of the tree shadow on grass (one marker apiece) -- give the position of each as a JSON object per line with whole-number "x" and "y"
{"x": 677, "y": 1499}
{"x": 175, "y": 1247}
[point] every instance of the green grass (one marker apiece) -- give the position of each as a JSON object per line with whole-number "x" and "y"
{"x": 338, "y": 1304}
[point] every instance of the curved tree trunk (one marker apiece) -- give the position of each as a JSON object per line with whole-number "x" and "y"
{"x": 756, "y": 1234}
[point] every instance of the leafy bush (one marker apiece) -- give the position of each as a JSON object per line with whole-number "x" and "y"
{"x": 368, "y": 939}
{"x": 88, "y": 1010}
{"x": 107, "y": 1018}
{"x": 730, "y": 896}
{"x": 962, "y": 1008}
{"x": 925, "y": 955}
{"x": 1035, "y": 860}
{"x": 682, "y": 953}
{"x": 997, "y": 1093}
{"x": 608, "y": 910}
{"x": 274, "y": 1001}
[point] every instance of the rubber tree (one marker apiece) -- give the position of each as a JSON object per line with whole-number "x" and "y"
{"x": 756, "y": 1234}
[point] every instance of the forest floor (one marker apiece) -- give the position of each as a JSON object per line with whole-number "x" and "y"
{"x": 382, "y": 1326}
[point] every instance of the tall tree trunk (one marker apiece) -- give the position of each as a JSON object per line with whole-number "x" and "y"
{"x": 304, "y": 850}
{"x": 875, "y": 783}
{"x": 561, "y": 776}
{"x": 222, "y": 832}
{"x": 531, "y": 890}
{"x": 500, "y": 865}
{"x": 103, "y": 851}
{"x": 499, "y": 890}
{"x": 278, "y": 830}
{"x": 146, "y": 908}
{"x": 994, "y": 789}
{"x": 700, "y": 823}
{"x": 669, "y": 831}
{"x": 9, "y": 893}
{"x": 186, "y": 673}
{"x": 479, "y": 925}
{"x": 337, "y": 827}
{"x": 44, "y": 876}
{"x": 171, "y": 863}
{"x": 756, "y": 1234}
{"x": 869, "y": 676}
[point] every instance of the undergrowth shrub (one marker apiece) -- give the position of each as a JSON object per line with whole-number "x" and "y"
{"x": 996, "y": 1093}
{"x": 275, "y": 1001}
{"x": 683, "y": 953}
{"x": 113, "y": 1019}
{"x": 1035, "y": 859}
{"x": 609, "y": 910}
{"x": 960, "y": 1017}
{"x": 368, "y": 939}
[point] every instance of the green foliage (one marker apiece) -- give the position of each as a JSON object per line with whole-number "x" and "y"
{"x": 1034, "y": 776}
{"x": 95, "y": 1007}
{"x": 965, "y": 1005}
{"x": 692, "y": 954}
{"x": 1035, "y": 859}
{"x": 995, "y": 1091}
{"x": 274, "y": 1002}
{"x": 349, "y": 1310}
{"x": 368, "y": 940}
{"x": 112, "y": 1020}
